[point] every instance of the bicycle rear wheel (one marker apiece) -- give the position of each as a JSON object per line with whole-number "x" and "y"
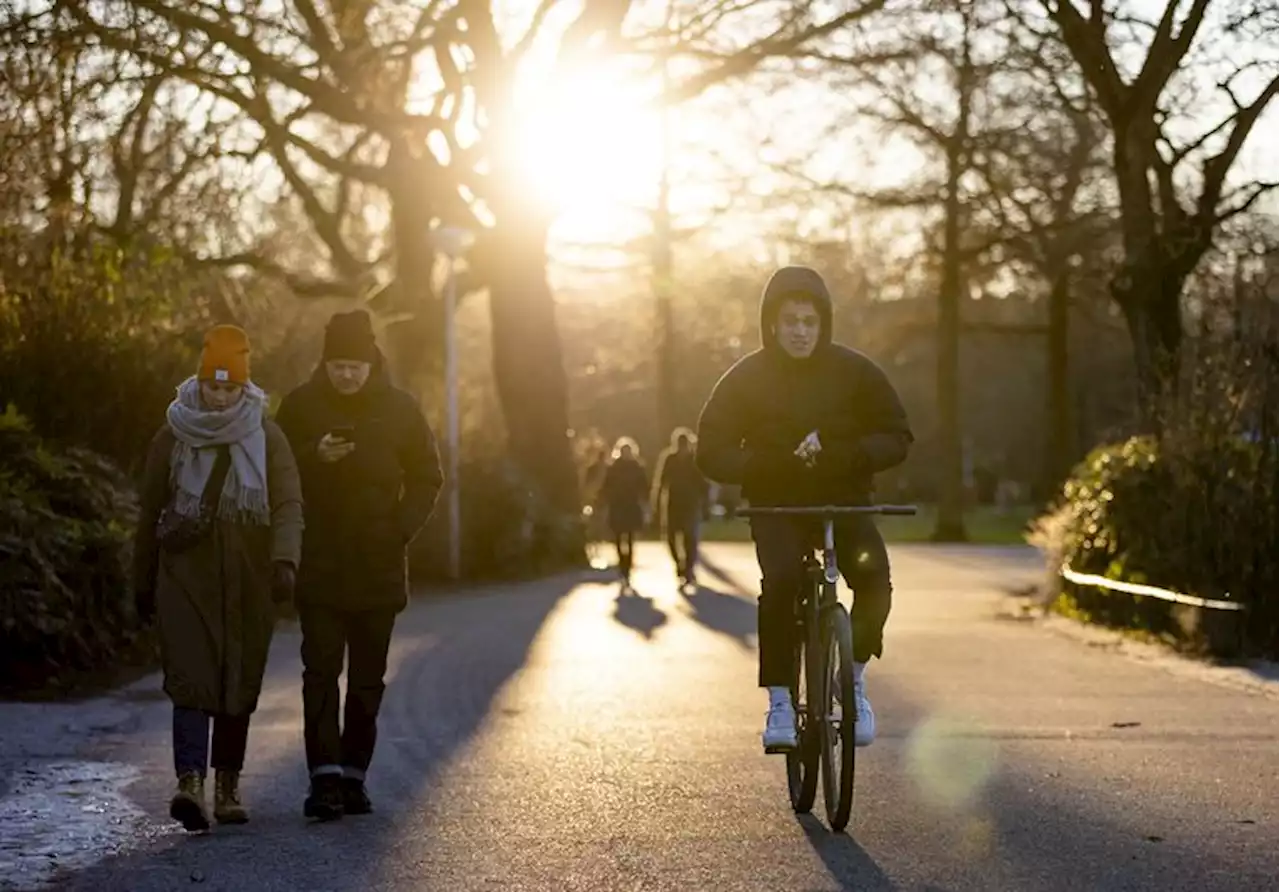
{"x": 840, "y": 713}
{"x": 802, "y": 762}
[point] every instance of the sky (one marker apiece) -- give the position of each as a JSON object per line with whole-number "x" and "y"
{"x": 593, "y": 144}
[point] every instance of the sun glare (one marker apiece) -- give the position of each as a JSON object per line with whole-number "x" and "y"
{"x": 590, "y": 148}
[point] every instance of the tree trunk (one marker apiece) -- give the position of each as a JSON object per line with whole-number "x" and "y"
{"x": 1152, "y": 306}
{"x": 416, "y": 341}
{"x": 664, "y": 323}
{"x": 1060, "y": 446}
{"x": 527, "y": 361}
{"x": 663, "y": 280}
{"x": 950, "y": 521}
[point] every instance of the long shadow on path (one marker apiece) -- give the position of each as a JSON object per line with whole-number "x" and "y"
{"x": 450, "y": 658}
{"x": 638, "y": 612}
{"x": 720, "y": 611}
{"x": 720, "y": 574}
{"x": 846, "y": 860}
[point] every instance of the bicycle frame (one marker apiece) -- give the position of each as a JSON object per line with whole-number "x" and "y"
{"x": 824, "y": 625}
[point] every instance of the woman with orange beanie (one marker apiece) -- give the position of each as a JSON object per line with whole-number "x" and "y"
{"x": 217, "y": 547}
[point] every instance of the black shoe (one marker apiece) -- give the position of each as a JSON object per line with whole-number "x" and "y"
{"x": 355, "y": 798}
{"x": 325, "y": 801}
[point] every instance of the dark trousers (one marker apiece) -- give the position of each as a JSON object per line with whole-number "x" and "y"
{"x": 626, "y": 544}
{"x": 683, "y": 530}
{"x": 191, "y": 741}
{"x": 363, "y": 637}
{"x": 781, "y": 544}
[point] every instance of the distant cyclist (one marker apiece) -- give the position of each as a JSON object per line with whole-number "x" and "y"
{"x": 804, "y": 421}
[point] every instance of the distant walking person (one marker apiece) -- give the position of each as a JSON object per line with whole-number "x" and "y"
{"x": 625, "y": 495}
{"x": 370, "y": 474}
{"x": 679, "y": 479}
{"x": 592, "y": 485}
{"x": 216, "y": 548}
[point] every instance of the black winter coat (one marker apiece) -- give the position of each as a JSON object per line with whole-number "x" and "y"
{"x": 364, "y": 510}
{"x": 768, "y": 402}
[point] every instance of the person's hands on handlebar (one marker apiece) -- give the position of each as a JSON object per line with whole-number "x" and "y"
{"x": 808, "y": 449}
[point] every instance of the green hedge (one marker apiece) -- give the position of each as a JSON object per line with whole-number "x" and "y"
{"x": 1200, "y": 521}
{"x": 66, "y": 518}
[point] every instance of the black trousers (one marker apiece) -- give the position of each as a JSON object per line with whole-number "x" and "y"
{"x": 626, "y": 544}
{"x": 682, "y": 539}
{"x": 363, "y": 637}
{"x": 781, "y": 544}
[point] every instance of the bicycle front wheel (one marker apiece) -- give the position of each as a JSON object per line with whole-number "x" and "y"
{"x": 802, "y": 762}
{"x": 840, "y": 712}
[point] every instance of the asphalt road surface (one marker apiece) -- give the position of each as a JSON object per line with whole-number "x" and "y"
{"x": 553, "y": 736}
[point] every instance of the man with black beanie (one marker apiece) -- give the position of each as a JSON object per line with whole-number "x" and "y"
{"x": 370, "y": 477}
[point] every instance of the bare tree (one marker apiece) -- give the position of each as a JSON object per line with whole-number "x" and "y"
{"x": 451, "y": 159}
{"x": 932, "y": 88}
{"x": 1053, "y": 218}
{"x": 1175, "y": 192}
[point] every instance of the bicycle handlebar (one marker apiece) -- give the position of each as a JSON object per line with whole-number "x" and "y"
{"x": 828, "y": 510}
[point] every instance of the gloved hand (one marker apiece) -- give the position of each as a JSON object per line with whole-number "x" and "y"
{"x": 809, "y": 449}
{"x": 283, "y": 580}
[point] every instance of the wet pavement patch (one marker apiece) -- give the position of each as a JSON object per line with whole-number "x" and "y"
{"x": 63, "y": 815}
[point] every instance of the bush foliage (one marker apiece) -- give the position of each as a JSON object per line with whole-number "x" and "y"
{"x": 93, "y": 341}
{"x": 66, "y": 519}
{"x": 1192, "y": 510}
{"x": 508, "y": 530}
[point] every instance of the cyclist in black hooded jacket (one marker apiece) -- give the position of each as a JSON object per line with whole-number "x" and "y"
{"x": 804, "y": 421}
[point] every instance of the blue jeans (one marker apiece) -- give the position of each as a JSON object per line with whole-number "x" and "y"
{"x": 191, "y": 741}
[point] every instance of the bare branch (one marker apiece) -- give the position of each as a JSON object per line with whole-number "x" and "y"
{"x": 1087, "y": 41}
{"x": 299, "y": 285}
{"x": 1216, "y": 168}
{"x": 779, "y": 43}
{"x": 1244, "y": 205}
{"x": 326, "y": 98}
{"x": 539, "y": 16}
{"x": 1165, "y": 55}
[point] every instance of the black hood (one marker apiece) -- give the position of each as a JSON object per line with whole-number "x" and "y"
{"x": 793, "y": 282}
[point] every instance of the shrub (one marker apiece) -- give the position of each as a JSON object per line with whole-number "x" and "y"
{"x": 1194, "y": 509}
{"x": 66, "y": 519}
{"x": 92, "y": 341}
{"x": 508, "y": 530}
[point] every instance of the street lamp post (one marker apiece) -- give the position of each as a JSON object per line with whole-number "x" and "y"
{"x": 452, "y": 242}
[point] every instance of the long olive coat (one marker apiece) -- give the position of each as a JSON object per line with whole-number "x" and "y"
{"x": 214, "y": 601}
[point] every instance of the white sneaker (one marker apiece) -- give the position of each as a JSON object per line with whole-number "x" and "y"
{"x": 780, "y": 728}
{"x": 864, "y": 730}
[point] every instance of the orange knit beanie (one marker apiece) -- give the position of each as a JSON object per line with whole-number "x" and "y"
{"x": 225, "y": 356}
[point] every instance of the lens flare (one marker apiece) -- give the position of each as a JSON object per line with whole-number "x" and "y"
{"x": 950, "y": 762}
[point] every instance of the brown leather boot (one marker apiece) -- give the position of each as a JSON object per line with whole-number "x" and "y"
{"x": 227, "y": 808}
{"x": 187, "y": 806}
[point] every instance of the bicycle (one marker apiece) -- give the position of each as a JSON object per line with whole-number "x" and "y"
{"x": 823, "y": 663}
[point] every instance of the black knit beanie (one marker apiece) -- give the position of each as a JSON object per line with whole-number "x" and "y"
{"x": 350, "y": 336}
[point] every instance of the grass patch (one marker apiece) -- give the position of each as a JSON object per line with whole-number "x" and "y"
{"x": 985, "y": 524}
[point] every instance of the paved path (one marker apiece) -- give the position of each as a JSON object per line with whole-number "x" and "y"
{"x": 551, "y": 736}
